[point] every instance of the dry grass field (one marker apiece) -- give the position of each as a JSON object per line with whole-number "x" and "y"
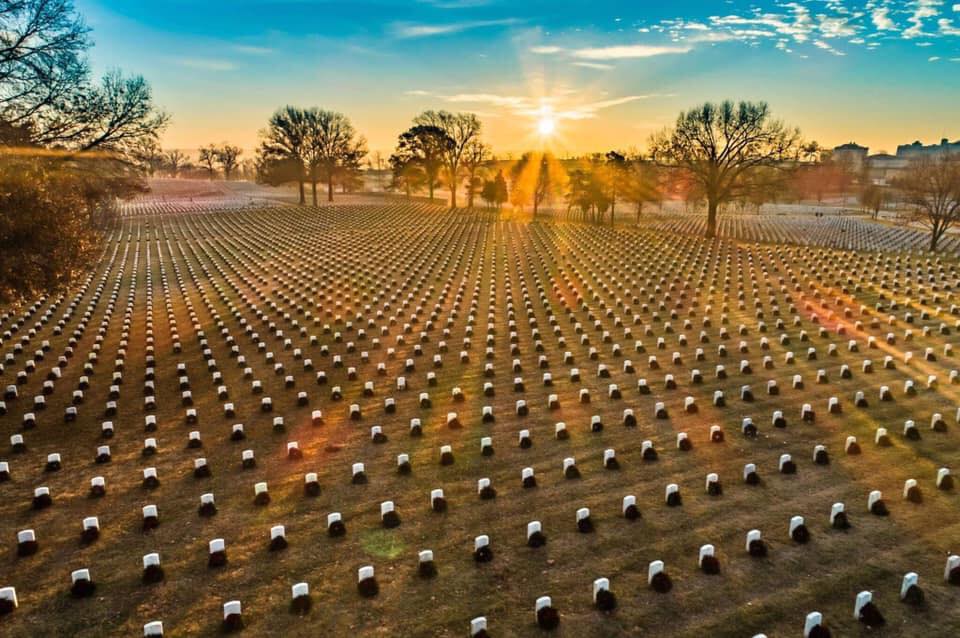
{"x": 369, "y": 294}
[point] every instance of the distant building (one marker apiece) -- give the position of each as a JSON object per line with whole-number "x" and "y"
{"x": 919, "y": 151}
{"x": 853, "y": 155}
{"x": 883, "y": 168}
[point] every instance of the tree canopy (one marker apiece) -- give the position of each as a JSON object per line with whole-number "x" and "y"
{"x": 719, "y": 146}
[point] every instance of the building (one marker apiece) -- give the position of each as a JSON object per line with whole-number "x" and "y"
{"x": 919, "y": 151}
{"x": 883, "y": 168}
{"x": 850, "y": 154}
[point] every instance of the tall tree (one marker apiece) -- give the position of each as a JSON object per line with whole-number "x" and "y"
{"x": 331, "y": 144}
{"x": 535, "y": 179}
{"x": 641, "y": 184}
{"x": 228, "y": 156}
{"x": 476, "y": 156}
{"x": 461, "y": 129}
{"x": 283, "y": 148}
{"x": 932, "y": 188}
{"x": 81, "y": 146}
{"x": 407, "y": 174}
{"x": 43, "y": 69}
{"x": 174, "y": 161}
{"x": 718, "y": 145}
{"x": 208, "y": 158}
{"x": 425, "y": 146}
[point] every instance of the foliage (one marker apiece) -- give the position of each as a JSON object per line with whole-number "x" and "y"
{"x": 53, "y": 209}
{"x": 69, "y": 147}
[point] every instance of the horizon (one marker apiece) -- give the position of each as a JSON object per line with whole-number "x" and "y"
{"x": 608, "y": 79}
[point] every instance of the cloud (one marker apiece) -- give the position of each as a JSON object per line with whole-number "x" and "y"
{"x": 545, "y": 50}
{"x": 594, "y": 65}
{"x": 206, "y": 64}
{"x": 627, "y": 52}
{"x": 947, "y": 28}
{"x": 933, "y": 58}
{"x": 252, "y": 50}
{"x": 564, "y": 105}
{"x": 922, "y": 9}
{"x": 881, "y": 19}
{"x": 416, "y": 92}
{"x": 411, "y": 30}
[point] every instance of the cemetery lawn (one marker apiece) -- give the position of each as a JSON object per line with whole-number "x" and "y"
{"x": 475, "y": 272}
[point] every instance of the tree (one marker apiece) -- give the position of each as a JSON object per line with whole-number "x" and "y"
{"x": 499, "y": 190}
{"x": 719, "y": 145}
{"x": 42, "y": 62}
{"x": 641, "y": 184}
{"x": 375, "y": 164}
{"x": 615, "y": 173}
{"x": 282, "y": 151}
{"x": 175, "y": 160}
{"x": 588, "y": 192}
{"x": 488, "y": 192}
{"x": 331, "y": 145}
{"x": 535, "y": 179}
{"x": 461, "y": 129}
{"x": 208, "y": 159}
{"x": 148, "y": 155}
{"x": 79, "y": 146}
{"x": 872, "y": 198}
{"x": 476, "y": 156}
{"x": 408, "y": 175}
{"x": 425, "y": 146}
{"x": 228, "y": 157}
{"x": 932, "y": 189}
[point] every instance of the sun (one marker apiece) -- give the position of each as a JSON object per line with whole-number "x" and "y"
{"x": 546, "y": 125}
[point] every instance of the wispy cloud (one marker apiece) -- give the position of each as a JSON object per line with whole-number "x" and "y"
{"x": 545, "y": 50}
{"x": 594, "y": 65}
{"x": 564, "y": 105}
{"x": 252, "y": 50}
{"x": 412, "y": 30}
{"x": 206, "y": 64}
{"x": 627, "y": 51}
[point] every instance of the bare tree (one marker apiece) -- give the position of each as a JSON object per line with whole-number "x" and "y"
{"x": 208, "y": 158}
{"x": 228, "y": 156}
{"x": 42, "y": 64}
{"x": 331, "y": 145}
{"x": 175, "y": 160}
{"x": 475, "y": 157}
{"x": 462, "y": 129}
{"x": 931, "y": 187}
{"x": 718, "y": 145}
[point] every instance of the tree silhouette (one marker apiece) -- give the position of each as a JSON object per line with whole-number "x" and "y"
{"x": 718, "y": 145}
{"x": 931, "y": 186}
{"x": 461, "y": 129}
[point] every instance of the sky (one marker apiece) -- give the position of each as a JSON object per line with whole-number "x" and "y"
{"x": 605, "y": 74}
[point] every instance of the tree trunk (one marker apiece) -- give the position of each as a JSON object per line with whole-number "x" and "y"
{"x": 639, "y": 211}
{"x": 430, "y": 188}
{"x": 330, "y": 185}
{"x": 453, "y": 189}
{"x": 303, "y": 198}
{"x": 313, "y": 187}
{"x": 711, "y": 219}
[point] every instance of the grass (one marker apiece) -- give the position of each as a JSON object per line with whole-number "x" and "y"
{"x": 335, "y": 261}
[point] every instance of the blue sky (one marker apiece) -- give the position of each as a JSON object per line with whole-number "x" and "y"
{"x": 609, "y": 73}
